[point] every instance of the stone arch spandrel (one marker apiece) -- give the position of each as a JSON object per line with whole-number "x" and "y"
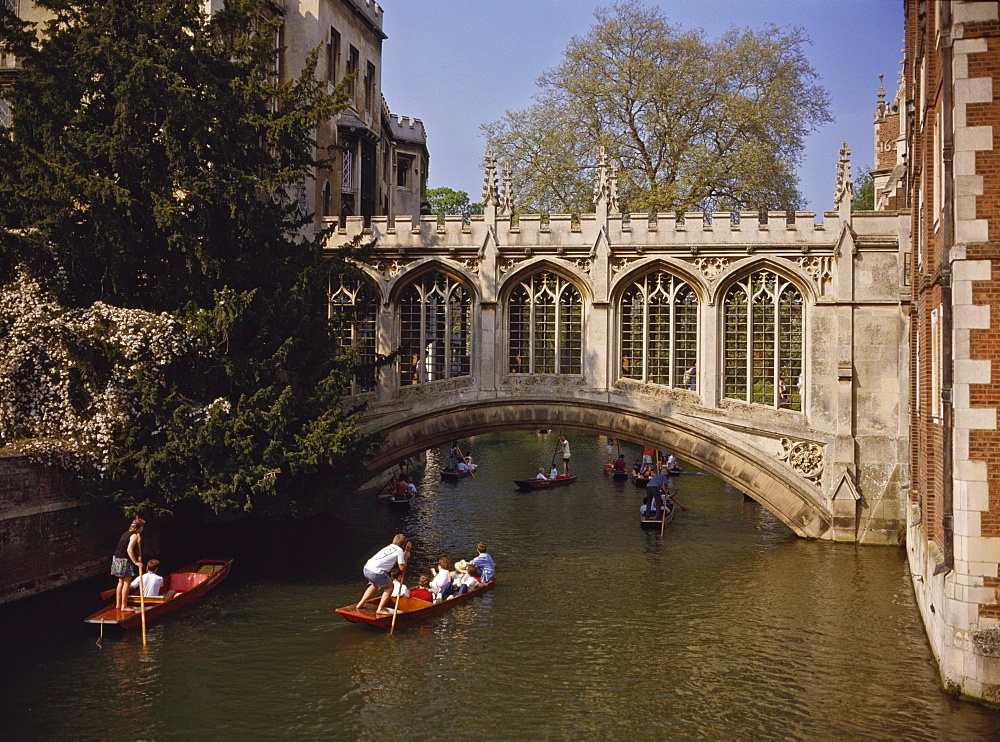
{"x": 419, "y": 268}
{"x": 563, "y": 269}
{"x": 789, "y": 497}
{"x": 639, "y": 268}
{"x": 744, "y": 267}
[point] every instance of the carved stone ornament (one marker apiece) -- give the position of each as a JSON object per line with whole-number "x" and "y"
{"x": 845, "y": 187}
{"x": 389, "y": 268}
{"x": 820, "y": 269}
{"x": 471, "y": 264}
{"x": 490, "y": 195}
{"x": 585, "y": 264}
{"x": 506, "y": 265}
{"x": 712, "y": 268}
{"x": 804, "y": 457}
{"x": 620, "y": 264}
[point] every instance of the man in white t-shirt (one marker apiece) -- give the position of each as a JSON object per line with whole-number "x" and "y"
{"x": 152, "y": 583}
{"x": 377, "y": 568}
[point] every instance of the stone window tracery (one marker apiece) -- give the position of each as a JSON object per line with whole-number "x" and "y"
{"x": 435, "y": 340}
{"x": 763, "y": 341}
{"x": 352, "y": 306}
{"x": 546, "y": 326}
{"x": 659, "y": 331}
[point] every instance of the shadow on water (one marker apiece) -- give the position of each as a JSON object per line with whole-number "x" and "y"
{"x": 727, "y": 627}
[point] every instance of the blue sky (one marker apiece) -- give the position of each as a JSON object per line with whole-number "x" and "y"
{"x": 457, "y": 64}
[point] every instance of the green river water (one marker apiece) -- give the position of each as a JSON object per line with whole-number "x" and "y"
{"x": 728, "y": 627}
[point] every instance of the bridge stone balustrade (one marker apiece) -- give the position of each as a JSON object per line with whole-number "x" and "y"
{"x": 834, "y": 468}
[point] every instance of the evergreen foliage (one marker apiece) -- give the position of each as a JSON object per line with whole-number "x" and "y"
{"x": 692, "y": 123}
{"x": 864, "y": 191}
{"x": 152, "y": 166}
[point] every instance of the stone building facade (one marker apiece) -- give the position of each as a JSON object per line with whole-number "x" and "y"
{"x": 379, "y": 160}
{"x": 950, "y": 129}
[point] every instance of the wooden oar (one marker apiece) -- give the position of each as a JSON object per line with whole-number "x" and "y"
{"x": 663, "y": 516}
{"x": 678, "y": 504}
{"x": 395, "y": 606}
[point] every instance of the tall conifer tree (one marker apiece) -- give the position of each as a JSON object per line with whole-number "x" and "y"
{"x": 151, "y": 165}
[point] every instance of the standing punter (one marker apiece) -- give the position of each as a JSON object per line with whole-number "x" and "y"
{"x": 564, "y": 445}
{"x": 377, "y": 572}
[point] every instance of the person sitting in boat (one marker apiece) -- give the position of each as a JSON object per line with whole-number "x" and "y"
{"x": 422, "y": 591}
{"x": 152, "y": 583}
{"x": 646, "y": 470}
{"x": 485, "y": 563}
{"x": 411, "y": 488}
{"x": 397, "y": 584}
{"x": 619, "y": 465}
{"x": 440, "y": 586}
{"x": 466, "y": 577}
{"x": 541, "y": 474}
{"x": 553, "y": 472}
{"x": 637, "y": 468}
{"x": 401, "y": 489}
{"x": 470, "y": 463}
{"x": 376, "y": 571}
{"x": 462, "y": 466}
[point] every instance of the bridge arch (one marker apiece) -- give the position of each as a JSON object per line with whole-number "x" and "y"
{"x": 757, "y": 474}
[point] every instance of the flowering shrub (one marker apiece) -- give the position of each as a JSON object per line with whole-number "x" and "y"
{"x": 70, "y": 377}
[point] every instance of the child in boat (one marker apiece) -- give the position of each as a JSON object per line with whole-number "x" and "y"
{"x": 422, "y": 590}
{"x": 466, "y": 577}
{"x": 485, "y": 563}
{"x": 376, "y": 571}
{"x": 152, "y": 583}
{"x": 440, "y": 586}
{"x": 553, "y": 472}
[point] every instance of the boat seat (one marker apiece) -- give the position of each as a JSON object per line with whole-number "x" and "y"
{"x": 184, "y": 581}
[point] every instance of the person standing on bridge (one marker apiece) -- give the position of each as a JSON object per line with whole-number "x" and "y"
{"x": 564, "y": 446}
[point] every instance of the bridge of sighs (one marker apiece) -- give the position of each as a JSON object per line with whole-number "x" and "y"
{"x": 769, "y": 349}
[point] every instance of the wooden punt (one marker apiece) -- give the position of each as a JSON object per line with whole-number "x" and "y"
{"x": 453, "y": 475}
{"x": 619, "y": 476}
{"x": 544, "y": 484}
{"x": 191, "y": 583}
{"x": 658, "y": 521}
{"x": 410, "y": 609}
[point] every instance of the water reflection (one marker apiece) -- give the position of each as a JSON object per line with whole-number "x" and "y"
{"x": 726, "y": 627}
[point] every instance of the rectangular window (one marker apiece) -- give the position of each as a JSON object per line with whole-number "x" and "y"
{"x": 369, "y": 85}
{"x": 352, "y": 68}
{"x": 332, "y": 55}
{"x": 4, "y": 114}
{"x": 11, "y": 5}
{"x": 935, "y": 385}
{"x": 347, "y": 185}
{"x": 403, "y": 166}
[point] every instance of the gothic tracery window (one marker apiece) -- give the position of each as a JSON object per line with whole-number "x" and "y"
{"x": 435, "y": 340}
{"x": 659, "y": 330}
{"x": 353, "y": 305}
{"x": 546, "y": 326}
{"x": 763, "y": 341}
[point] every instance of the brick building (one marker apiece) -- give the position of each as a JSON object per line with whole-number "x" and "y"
{"x": 949, "y": 128}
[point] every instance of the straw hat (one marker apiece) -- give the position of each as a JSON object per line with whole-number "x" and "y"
{"x": 461, "y": 565}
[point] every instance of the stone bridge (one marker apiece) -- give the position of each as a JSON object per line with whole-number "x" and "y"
{"x": 768, "y": 349}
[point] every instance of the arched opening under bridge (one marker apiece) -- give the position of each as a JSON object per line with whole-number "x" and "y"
{"x": 758, "y": 475}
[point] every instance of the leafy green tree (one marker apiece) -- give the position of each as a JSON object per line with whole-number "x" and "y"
{"x": 151, "y": 167}
{"x": 864, "y": 191}
{"x": 447, "y": 202}
{"x": 691, "y": 123}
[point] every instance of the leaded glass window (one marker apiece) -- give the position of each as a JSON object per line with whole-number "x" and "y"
{"x": 435, "y": 313}
{"x": 353, "y": 305}
{"x": 4, "y": 114}
{"x": 659, "y": 330}
{"x": 546, "y": 326}
{"x": 763, "y": 341}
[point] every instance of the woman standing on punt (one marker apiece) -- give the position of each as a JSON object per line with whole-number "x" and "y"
{"x": 125, "y": 562}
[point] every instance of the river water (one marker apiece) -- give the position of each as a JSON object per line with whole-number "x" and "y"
{"x": 727, "y": 627}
